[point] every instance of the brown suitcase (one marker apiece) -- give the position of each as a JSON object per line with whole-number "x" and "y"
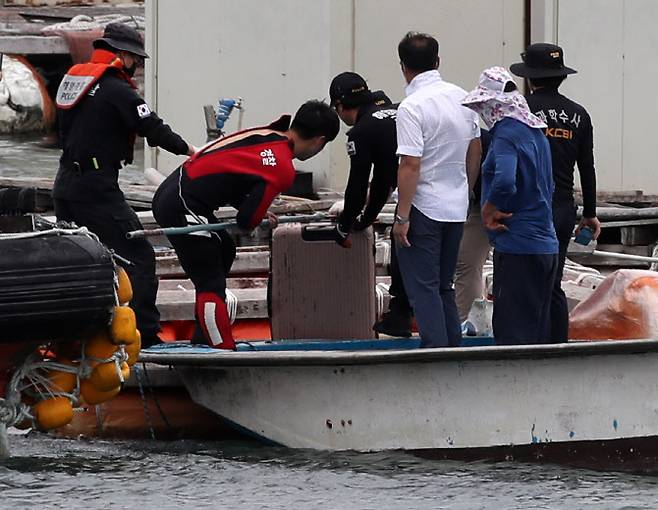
{"x": 319, "y": 290}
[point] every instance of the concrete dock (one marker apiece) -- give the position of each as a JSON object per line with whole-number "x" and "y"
{"x": 22, "y": 28}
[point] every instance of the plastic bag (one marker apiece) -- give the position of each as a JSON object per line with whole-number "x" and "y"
{"x": 623, "y": 307}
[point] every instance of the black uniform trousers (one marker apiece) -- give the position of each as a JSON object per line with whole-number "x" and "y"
{"x": 205, "y": 257}
{"x": 396, "y": 290}
{"x": 522, "y": 286}
{"x": 564, "y": 219}
{"x": 110, "y": 221}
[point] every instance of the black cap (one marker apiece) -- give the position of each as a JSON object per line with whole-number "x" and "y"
{"x": 350, "y": 89}
{"x": 542, "y": 60}
{"x": 122, "y": 37}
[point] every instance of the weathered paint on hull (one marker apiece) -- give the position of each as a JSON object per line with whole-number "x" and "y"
{"x": 530, "y": 400}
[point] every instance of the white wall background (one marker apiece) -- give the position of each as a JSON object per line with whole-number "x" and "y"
{"x": 277, "y": 54}
{"x": 613, "y": 45}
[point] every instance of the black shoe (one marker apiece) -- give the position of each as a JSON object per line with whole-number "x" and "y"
{"x": 394, "y": 323}
{"x": 150, "y": 341}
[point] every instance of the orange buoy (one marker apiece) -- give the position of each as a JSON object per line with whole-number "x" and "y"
{"x": 125, "y": 290}
{"x": 92, "y": 396}
{"x": 123, "y": 328}
{"x": 105, "y": 376}
{"x": 100, "y": 346}
{"x": 133, "y": 349}
{"x": 62, "y": 381}
{"x": 53, "y": 413}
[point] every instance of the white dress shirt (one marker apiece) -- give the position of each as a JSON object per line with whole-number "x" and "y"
{"x": 433, "y": 126}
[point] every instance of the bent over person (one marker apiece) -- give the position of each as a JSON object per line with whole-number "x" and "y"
{"x": 371, "y": 144}
{"x": 246, "y": 170}
{"x": 100, "y": 113}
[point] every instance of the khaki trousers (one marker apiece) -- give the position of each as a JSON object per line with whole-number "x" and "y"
{"x": 473, "y": 252}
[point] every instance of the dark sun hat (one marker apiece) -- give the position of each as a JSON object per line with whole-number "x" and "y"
{"x": 122, "y": 37}
{"x": 542, "y": 60}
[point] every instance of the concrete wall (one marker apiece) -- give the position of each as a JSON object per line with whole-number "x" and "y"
{"x": 278, "y": 54}
{"x": 613, "y": 45}
{"x": 66, "y": 3}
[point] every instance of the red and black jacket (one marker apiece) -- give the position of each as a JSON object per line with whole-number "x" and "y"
{"x": 246, "y": 170}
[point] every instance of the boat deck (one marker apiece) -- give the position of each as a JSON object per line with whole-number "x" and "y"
{"x": 366, "y": 352}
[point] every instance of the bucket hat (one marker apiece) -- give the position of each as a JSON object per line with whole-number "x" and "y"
{"x": 122, "y": 37}
{"x": 493, "y": 103}
{"x": 542, "y": 60}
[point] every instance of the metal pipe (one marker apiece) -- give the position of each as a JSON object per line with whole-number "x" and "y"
{"x": 213, "y": 227}
{"x": 626, "y": 256}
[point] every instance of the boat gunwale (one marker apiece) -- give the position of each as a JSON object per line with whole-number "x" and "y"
{"x": 228, "y": 359}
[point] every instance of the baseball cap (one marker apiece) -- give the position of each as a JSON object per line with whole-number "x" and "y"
{"x": 349, "y": 88}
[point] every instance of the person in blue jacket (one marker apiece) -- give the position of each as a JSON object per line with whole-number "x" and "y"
{"x": 517, "y": 190}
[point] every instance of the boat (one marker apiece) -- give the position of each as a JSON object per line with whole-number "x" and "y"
{"x": 587, "y": 404}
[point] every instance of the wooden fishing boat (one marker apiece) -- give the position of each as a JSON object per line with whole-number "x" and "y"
{"x": 588, "y": 403}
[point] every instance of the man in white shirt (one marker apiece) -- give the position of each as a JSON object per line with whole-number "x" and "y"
{"x": 439, "y": 149}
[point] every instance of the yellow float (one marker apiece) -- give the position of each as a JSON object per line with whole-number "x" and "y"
{"x": 62, "y": 381}
{"x": 92, "y": 396}
{"x": 123, "y": 328}
{"x": 125, "y": 290}
{"x": 133, "y": 349}
{"x": 100, "y": 346}
{"x": 53, "y": 413}
{"x": 105, "y": 376}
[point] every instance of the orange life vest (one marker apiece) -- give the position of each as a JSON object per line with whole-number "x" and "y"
{"x": 81, "y": 77}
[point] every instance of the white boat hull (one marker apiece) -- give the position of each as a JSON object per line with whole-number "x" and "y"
{"x": 435, "y": 399}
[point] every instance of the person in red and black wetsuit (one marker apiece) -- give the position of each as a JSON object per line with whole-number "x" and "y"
{"x": 245, "y": 170}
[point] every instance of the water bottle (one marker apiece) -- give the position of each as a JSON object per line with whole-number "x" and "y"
{"x": 585, "y": 236}
{"x": 224, "y": 109}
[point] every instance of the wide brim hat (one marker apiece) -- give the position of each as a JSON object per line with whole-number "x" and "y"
{"x": 122, "y": 37}
{"x": 542, "y": 60}
{"x": 491, "y": 85}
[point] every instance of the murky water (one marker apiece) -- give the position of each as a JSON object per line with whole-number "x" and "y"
{"x": 56, "y": 473}
{"x": 50, "y": 473}
{"x": 37, "y": 156}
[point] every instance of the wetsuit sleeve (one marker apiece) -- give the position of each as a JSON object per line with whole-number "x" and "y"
{"x": 357, "y": 183}
{"x": 380, "y": 190}
{"x": 253, "y": 209}
{"x": 503, "y": 185}
{"x": 586, "y": 170}
{"x": 139, "y": 118}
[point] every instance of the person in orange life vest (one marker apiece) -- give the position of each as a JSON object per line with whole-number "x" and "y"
{"x": 100, "y": 114}
{"x": 245, "y": 170}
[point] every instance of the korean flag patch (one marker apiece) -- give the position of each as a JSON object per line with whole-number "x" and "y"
{"x": 351, "y": 148}
{"x": 143, "y": 110}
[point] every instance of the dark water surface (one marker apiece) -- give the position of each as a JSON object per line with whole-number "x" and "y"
{"x": 57, "y": 473}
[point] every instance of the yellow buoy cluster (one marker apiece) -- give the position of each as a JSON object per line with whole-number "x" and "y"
{"x": 99, "y": 373}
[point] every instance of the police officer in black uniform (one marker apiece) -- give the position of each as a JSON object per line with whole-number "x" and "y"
{"x": 371, "y": 144}
{"x": 570, "y": 136}
{"x": 100, "y": 115}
